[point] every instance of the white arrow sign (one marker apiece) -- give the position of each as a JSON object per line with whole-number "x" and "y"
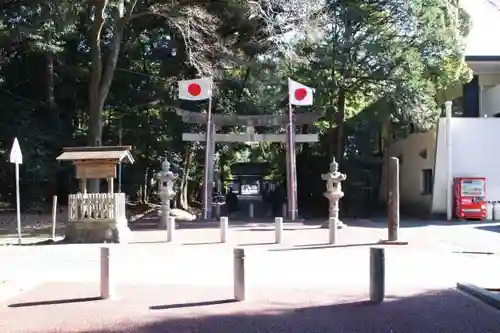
{"x": 16, "y": 156}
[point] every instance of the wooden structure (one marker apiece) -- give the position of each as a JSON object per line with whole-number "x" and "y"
{"x": 96, "y": 217}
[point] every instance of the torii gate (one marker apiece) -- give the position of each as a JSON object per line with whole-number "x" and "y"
{"x": 250, "y": 121}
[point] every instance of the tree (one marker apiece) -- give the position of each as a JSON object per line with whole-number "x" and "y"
{"x": 405, "y": 50}
{"x": 195, "y": 28}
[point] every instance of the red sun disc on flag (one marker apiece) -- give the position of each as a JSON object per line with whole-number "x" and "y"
{"x": 300, "y": 94}
{"x": 194, "y": 89}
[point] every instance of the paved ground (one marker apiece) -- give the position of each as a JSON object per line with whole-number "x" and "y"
{"x": 180, "y": 308}
{"x": 302, "y": 285}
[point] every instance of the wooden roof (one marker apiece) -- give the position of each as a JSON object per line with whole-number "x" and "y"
{"x": 117, "y": 153}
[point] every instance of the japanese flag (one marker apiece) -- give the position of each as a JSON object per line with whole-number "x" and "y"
{"x": 299, "y": 94}
{"x": 195, "y": 90}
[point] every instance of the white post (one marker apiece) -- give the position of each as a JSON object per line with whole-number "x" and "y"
{"x": 239, "y": 274}
{"x": 224, "y": 226}
{"x": 18, "y": 206}
{"x": 106, "y": 286}
{"x": 16, "y": 157}
{"x": 170, "y": 228}
{"x": 332, "y": 226}
{"x": 250, "y": 210}
{"x": 377, "y": 274}
{"x": 449, "y": 163}
{"x": 278, "y": 229}
{"x": 54, "y": 216}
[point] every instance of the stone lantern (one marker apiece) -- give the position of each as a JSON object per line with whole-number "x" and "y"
{"x": 334, "y": 193}
{"x": 166, "y": 191}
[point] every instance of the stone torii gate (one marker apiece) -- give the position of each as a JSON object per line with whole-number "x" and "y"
{"x": 218, "y": 121}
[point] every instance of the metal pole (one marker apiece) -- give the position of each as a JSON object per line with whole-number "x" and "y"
{"x": 120, "y": 134}
{"x": 449, "y": 163}
{"x": 207, "y": 206}
{"x": 54, "y": 216}
{"x": 278, "y": 229}
{"x": 224, "y": 226}
{"x": 293, "y": 164}
{"x": 106, "y": 286}
{"x": 291, "y": 168}
{"x": 377, "y": 274}
{"x": 239, "y": 274}
{"x": 332, "y": 225}
{"x": 393, "y": 199}
{"x": 170, "y": 228}
{"x": 18, "y": 206}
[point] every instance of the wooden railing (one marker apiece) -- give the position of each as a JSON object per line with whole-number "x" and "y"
{"x": 96, "y": 207}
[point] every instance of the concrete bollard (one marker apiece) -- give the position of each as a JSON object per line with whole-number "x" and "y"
{"x": 106, "y": 285}
{"x": 170, "y": 228}
{"x": 224, "y": 226}
{"x": 283, "y": 210}
{"x": 239, "y": 274}
{"x": 332, "y": 226}
{"x": 377, "y": 274}
{"x": 278, "y": 229}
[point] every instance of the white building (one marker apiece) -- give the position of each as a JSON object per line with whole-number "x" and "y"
{"x": 423, "y": 165}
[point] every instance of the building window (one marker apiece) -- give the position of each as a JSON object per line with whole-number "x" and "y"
{"x": 427, "y": 181}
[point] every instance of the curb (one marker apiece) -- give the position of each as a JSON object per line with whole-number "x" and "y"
{"x": 482, "y": 294}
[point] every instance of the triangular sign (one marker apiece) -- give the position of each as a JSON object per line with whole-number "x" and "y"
{"x": 16, "y": 156}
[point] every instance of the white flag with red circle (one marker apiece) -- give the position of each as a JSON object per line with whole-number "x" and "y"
{"x": 299, "y": 94}
{"x": 195, "y": 90}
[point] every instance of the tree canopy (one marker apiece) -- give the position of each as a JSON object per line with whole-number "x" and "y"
{"x": 101, "y": 72}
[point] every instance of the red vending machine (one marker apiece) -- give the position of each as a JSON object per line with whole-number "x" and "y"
{"x": 470, "y": 197}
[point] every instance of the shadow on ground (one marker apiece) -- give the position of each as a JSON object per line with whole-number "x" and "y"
{"x": 492, "y": 227}
{"x": 445, "y": 311}
{"x": 415, "y": 223}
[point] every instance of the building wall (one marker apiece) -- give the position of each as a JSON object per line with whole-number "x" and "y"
{"x": 474, "y": 154}
{"x": 412, "y": 163}
{"x": 490, "y": 101}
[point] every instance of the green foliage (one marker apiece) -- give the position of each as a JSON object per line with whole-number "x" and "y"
{"x": 388, "y": 58}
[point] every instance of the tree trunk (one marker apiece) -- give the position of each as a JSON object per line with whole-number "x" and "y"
{"x": 340, "y": 125}
{"x": 49, "y": 80}
{"x": 145, "y": 188}
{"x": 101, "y": 74}
{"x": 53, "y": 112}
{"x": 95, "y": 112}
